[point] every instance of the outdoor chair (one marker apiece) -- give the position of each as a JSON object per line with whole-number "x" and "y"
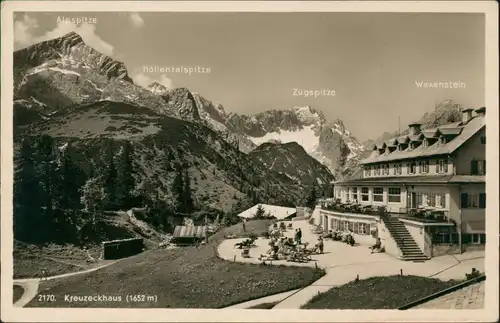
{"x": 245, "y": 253}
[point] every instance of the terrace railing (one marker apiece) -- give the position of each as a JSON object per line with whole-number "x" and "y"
{"x": 426, "y": 215}
{"x": 355, "y": 208}
{"x": 420, "y": 215}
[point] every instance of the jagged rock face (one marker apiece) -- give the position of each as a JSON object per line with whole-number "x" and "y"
{"x": 260, "y": 124}
{"x": 63, "y": 73}
{"x": 158, "y": 88}
{"x": 293, "y": 161}
{"x": 71, "y": 50}
{"x": 329, "y": 142}
{"x": 184, "y": 103}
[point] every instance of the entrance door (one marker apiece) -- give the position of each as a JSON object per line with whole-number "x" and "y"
{"x": 413, "y": 202}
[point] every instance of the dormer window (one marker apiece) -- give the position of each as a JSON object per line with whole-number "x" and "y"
{"x": 425, "y": 143}
{"x": 442, "y": 140}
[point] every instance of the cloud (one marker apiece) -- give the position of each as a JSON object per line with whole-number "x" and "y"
{"x": 23, "y": 34}
{"x": 145, "y": 80}
{"x": 22, "y": 30}
{"x": 136, "y": 19}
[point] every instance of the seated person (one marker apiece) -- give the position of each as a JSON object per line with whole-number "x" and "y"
{"x": 350, "y": 239}
{"x": 377, "y": 245}
{"x": 328, "y": 235}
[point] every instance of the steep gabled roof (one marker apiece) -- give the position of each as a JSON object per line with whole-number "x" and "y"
{"x": 417, "y": 137}
{"x": 403, "y": 139}
{"x": 392, "y": 142}
{"x": 450, "y": 131}
{"x": 462, "y": 134}
{"x": 430, "y": 133}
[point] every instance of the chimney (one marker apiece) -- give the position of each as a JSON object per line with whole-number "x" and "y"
{"x": 481, "y": 112}
{"x": 466, "y": 115}
{"x": 414, "y": 128}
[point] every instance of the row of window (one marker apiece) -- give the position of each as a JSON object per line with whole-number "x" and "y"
{"x": 413, "y": 168}
{"x": 468, "y": 201}
{"x": 394, "y": 195}
{"x": 478, "y": 167}
{"x": 467, "y": 238}
{"x": 430, "y": 199}
{"x": 355, "y": 227}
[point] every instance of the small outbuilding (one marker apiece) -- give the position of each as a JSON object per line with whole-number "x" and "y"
{"x": 189, "y": 234}
{"x": 279, "y": 212}
{"x": 117, "y": 249}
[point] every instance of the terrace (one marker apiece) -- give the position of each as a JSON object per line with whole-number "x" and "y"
{"x": 421, "y": 215}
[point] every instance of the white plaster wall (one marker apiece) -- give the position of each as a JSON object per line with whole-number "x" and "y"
{"x": 387, "y": 241}
{"x": 417, "y": 232}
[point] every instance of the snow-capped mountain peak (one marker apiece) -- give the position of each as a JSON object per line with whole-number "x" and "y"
{"x": 308, "y": 115}
{"x": 158, "y": 88}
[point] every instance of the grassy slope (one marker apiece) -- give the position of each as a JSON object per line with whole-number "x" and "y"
{"x": 378, "y": 293}
{"x": 182, "y": 278}
{"x": 30, "y": 259}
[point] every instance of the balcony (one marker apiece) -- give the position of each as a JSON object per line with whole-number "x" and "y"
{"x": 425, "y": 215}
{"x": 422, "y": 215}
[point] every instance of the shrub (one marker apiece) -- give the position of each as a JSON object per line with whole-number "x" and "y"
{"x": 473, "y": 274}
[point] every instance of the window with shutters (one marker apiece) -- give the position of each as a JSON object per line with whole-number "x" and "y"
{"x": 464, "y": 200}
{"x": 431, "y": 199}
{"x": 473, "y": 167}
{"x": 441, "y": 200}
{"x": 412, "y": 167}
{"x": 482, "y": 200}
{"x": 355, "y": 194}
{"x": 419, "y": 199}
{"x": 473, "y": 201}
{"x": 481, "y": 167}
{"x": 442, "y": 166}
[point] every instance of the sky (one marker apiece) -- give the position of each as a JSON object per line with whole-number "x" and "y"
{"x": 364, "y": 66}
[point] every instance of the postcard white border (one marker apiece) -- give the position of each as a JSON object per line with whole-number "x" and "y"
{"x": 490, "y": 313}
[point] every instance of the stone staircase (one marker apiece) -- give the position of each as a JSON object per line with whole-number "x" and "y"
{"x": 410, "y": 251}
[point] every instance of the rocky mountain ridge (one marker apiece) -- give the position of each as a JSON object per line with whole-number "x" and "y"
{"x": 61, "y": 74}
{"x": 70, "y": 92}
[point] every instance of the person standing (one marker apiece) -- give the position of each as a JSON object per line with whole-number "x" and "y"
{"x": 299, "y": 236}
{"x": 244, "y": 225}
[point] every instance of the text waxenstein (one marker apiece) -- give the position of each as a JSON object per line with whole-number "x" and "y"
{"x": 313, "y": 93}
{"x": 176, "y": 69}
{"x": 440, "y": 85}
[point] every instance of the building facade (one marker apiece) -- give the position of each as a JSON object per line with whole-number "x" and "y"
{"x": 439, "y": 172}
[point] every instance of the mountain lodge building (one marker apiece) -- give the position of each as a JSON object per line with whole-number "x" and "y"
{"x": 432, "y": 185}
